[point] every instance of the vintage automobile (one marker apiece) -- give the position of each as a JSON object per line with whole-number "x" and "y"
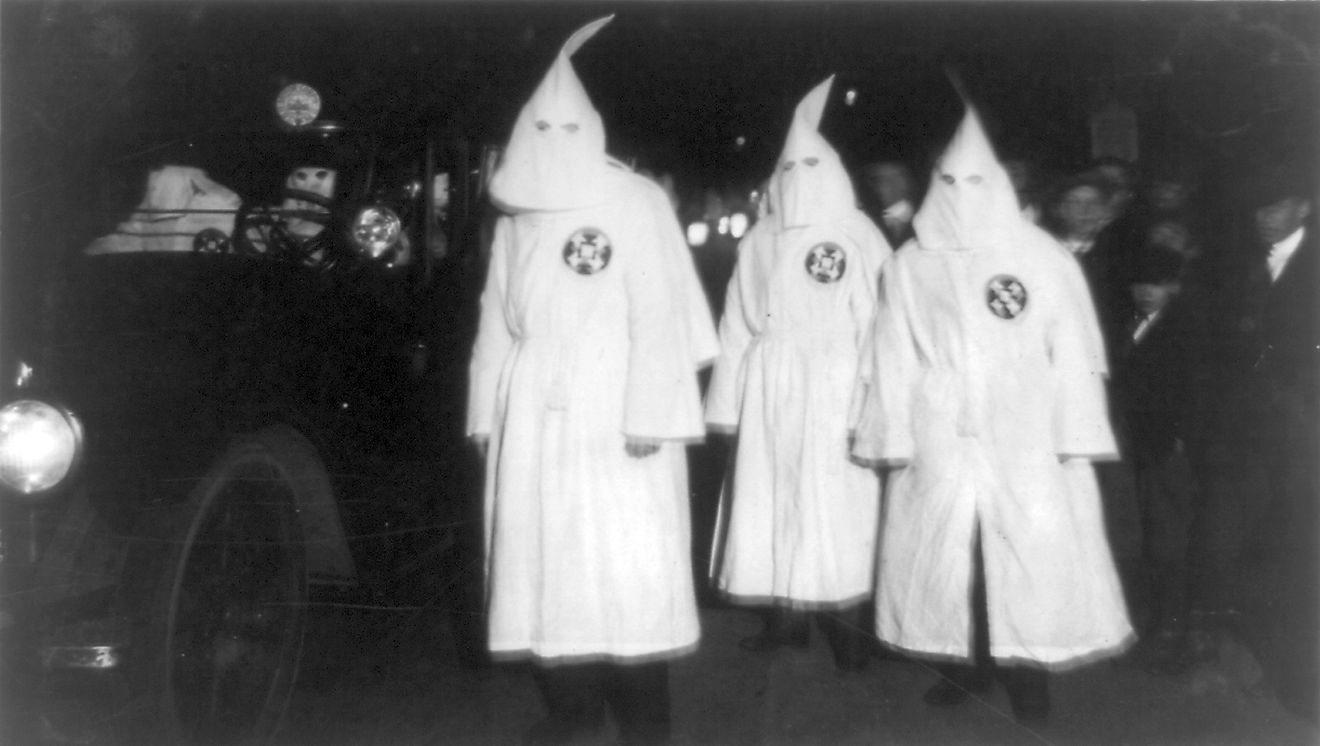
{"x": 243, "y": 395}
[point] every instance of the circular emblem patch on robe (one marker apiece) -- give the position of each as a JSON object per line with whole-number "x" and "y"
{"x": 587, "y": 251}
{"x": 1005, "y": 296}
{"x": 826, "y": 262}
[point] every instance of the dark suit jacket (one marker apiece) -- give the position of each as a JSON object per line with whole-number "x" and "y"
{"x": 895, "y": 238}
{"x": 1289, "y": 342}
{"x": 1157, "y": 382}
{"x": 1268, "y": 358}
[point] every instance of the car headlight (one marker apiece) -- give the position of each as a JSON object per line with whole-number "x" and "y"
{"x": 698, "y": 233}
{"x": 738, "y": 224}
{"x": 39, "y": 445}
{"x": 376, "y": 231}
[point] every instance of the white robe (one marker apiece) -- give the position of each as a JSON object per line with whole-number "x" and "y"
{"x": 978, "y": 409}
{"x": 802, "y": 518}
{"x": 588, "y": 552}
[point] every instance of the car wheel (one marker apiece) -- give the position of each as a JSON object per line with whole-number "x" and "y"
{"x": 223, "y": 644}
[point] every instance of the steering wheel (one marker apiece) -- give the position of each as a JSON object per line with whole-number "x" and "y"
{"x": 263, "y": 231}
{"x": 259, "y": 230}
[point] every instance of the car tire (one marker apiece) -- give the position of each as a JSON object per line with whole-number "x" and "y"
{"x": 219, "y": 655}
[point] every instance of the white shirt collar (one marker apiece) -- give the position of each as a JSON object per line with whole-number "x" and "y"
{"x": 1145, "y": 324}
{"x": 900, "y": 210}
{"x": 1078, "y": 246}
{"x": 1282, "y": 251}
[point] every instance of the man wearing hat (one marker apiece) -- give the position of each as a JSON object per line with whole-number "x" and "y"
{"x": 1156, "y": 367}
{"x": 889, "y": 198}
{"x": 583, "y": 396}
{"x": 1260, "y": 517}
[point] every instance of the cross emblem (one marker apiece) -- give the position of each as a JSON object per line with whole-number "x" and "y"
{"x": 826, "y": 262}
{"x": 1005, "y": 296}
{"x": 587, "y": 251}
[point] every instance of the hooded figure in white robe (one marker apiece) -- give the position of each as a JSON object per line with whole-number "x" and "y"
{"x": 802, "y": 518}
{"x": 583, "y": 379}
{"x": 987, "y": 398}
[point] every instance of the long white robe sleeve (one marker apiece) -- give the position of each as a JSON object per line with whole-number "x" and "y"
{"x": 494, "y": 340}
{"x": 1081, "y": 415}
{"x": 884, "y": 431}
{"x": 724, "y": 393}
{"x": 662, "y": 400}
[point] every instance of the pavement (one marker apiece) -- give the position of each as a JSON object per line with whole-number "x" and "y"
{"x": 394, "y": 677}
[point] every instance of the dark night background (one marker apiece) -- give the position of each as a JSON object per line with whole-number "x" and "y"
{"x": 83, "y": 84}
{"x": 677, "y": 82}
{"x": 703, "y": 90}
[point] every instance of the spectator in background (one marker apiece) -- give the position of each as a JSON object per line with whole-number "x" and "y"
{"x": 1257, "y": 530}
{"x": 1155, "y": 385}
{"x": 1027, "y": 180}
{"x": 889, "y": 198}
{"x": 1171, "y": 234}
{"x": 1120, "y": 236}
{"x": 1121, "y": 178}
{"x": 1164, "y": 213}
{"x": 1081, "y": 209}
{"x": 802, "y": 518}
{"x": 1167, "y": 192}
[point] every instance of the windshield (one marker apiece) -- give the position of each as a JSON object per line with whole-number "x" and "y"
{"x": 256, "y": 166}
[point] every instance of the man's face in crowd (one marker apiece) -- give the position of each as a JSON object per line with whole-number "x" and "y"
{"x": 1120, "y": 181}
{"x": 889, "y": 182}
{"x": 1168, "y": 196}
{"x": 1278, "y": 220}
{"x": 1151, "y": 297}
{"x": 1083, "y": 212}
{"x": 1172, "y": 235}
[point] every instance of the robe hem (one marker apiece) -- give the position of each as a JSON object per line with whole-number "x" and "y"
{"x": 1058, "y": 660}
{"x": 739, "y": 599}
{"x": 549, "y": 660}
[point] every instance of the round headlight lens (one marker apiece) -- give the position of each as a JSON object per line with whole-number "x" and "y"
{"x": 38, "y": 445}
{"x": 698, "y": 233}
{"x": 738, "y": 224}
{"x": 376, "y": 231}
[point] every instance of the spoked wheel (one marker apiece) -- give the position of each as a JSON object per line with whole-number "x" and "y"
{"x": 264, "y": 231}
{"x": 227, "y": 634}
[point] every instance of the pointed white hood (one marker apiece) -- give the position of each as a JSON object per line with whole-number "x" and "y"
{"x": 555, "y": 159}
{"x": 810, "y": 185}
{"x": 971, "y": 202}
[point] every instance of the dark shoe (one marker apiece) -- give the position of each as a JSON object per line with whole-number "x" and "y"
{"x": 851, "y": 661}
{"x": 847, "y": 638}
{"x": 767, "y": 640}
{"x": 948, "y": 693}
{"x": 783, "y": 628}
{"x": 560, "y": 731}
{"x": 1029, "y": 694}
{"x": 640, "y": 698}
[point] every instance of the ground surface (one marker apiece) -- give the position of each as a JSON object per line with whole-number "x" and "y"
{"x": 392, "y": 678}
